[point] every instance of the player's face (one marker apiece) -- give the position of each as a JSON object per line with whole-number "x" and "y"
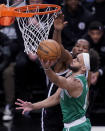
{"x": 73, "y": 4}
{"x": 77, "y": 63}
{"x": 81, "y": 47}
{"x": 95, "y": 35}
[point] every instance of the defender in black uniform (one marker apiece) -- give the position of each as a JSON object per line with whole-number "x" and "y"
{"x": 52, "y": 116}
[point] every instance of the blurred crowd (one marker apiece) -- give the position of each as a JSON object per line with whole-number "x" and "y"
{"x": 22, "y": 76}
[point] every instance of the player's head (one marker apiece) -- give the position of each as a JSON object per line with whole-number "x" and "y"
{"x": 81, "y": 46}
{"x": 85, "y": 61}
{"x": 95, "y": 31}
{"x": 72, "y": 4}
{"x": 78, "y": 64}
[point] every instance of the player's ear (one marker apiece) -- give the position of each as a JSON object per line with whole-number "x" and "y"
{"x": 83, "y": 69}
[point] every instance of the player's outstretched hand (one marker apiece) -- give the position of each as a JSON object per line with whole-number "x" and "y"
{"x": 59, "y": 22}
{"x": 25, "y": 106}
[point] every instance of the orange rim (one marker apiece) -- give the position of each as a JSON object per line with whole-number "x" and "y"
{"x": 20, "y": 11}
{"x": 6, "y": 11}
{"x": 6, "y": 20}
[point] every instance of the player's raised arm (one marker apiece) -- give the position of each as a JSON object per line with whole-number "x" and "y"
{"x": 59, "y": 24}
{"x": 58, "y": 27}
{"x": 69, "y": 84}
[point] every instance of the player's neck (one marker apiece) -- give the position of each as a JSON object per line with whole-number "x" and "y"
{"x": 77, "y": 73}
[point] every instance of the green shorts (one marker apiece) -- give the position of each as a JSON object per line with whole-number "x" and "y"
{"x": 86, "y": 126}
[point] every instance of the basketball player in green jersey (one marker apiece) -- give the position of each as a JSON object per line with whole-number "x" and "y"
{"x": 73, "y": 98}
{"x": 73, "y": 92}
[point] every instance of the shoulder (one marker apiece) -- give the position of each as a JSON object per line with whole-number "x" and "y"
{"x": 74, "y": 82}
{"x": 77, "y": 88}
{"x": 77, "y": 82}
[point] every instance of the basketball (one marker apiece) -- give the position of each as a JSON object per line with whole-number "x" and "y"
{"x": 49, "y": 50}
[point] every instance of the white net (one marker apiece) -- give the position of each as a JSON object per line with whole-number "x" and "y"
{"x": 35, "y": 29}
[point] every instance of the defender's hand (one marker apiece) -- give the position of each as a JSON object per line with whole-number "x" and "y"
{"x": 59, "y": 23}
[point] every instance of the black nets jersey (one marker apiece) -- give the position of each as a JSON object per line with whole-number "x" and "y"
{"x": 52, "y": 116}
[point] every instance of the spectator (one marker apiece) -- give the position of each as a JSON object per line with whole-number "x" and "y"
{"x": 77, "y": 17}
{"x": 4, "y": 51}
{"x": 9, "y": 48}
{"x": 96, "y": 38}
{"x": 97, "y": 8}
{"x": 6, "y": 70}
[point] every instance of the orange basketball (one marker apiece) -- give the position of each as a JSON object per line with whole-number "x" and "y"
{"x": 49, "y": 50}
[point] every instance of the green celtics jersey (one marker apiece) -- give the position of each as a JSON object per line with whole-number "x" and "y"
{"x": 74, "y": 108}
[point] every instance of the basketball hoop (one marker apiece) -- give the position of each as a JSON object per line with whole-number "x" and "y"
{"x": 34, "y": 22}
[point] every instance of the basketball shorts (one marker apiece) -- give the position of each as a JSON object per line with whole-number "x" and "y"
{"x": 86, "y": 126}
